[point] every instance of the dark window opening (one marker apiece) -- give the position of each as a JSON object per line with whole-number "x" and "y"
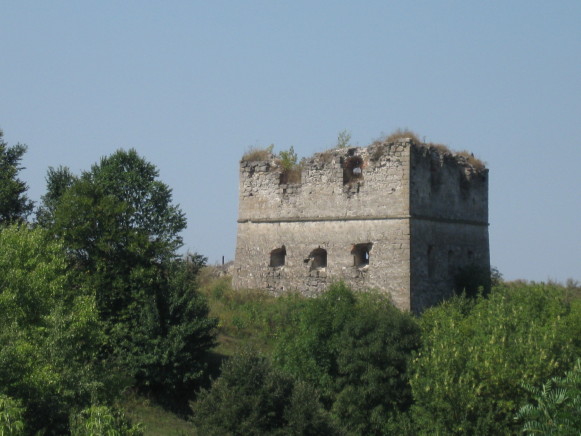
{"x": 352, "y": 169}
{"x": 360, "y": 254}
{"x": 277, "y": 257}
{"x": 318, "y": 258}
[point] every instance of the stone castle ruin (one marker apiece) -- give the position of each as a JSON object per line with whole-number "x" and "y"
{"x": 398, "y": 216}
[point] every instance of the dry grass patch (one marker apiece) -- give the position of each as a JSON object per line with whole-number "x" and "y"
{"x": 257, "y": 154}
{"x": 440, "y": 148}
{"x": 474, "y": 161}
{"x": 403, "y": 134}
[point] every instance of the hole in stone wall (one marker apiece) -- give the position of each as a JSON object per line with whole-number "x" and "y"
{"x": 360, "y": 254}
{"x": 352, "y": 169}
{"x": 277, "y": 257}
{"x": 318, "y": 258}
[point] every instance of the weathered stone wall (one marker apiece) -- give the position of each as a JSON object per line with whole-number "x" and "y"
{"x": 388, "y": 267}
{"x": 403, "y": 221}
{"x": 381, "y": 190}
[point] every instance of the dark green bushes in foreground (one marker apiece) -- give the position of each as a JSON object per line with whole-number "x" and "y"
{"x": 465, "y": 367}
{"x": 355, "y": 349}
{"x": 251, "y": 397}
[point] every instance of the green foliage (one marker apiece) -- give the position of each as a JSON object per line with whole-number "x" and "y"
{"x": 466, "y": 378}
{"x": 343, "y": 139}
{"x": 168, "y": 348}
{"x": 252, "y": 398}
{"x": 355, "y": 351}
{"x": 57, "y": 182}
{"x": 11, "y": 417}
{"x": 556, "y": 407}
{"x": 121, "y": 230}
{"x": 473, "y": 280}
{"x": 50, "y": 335}
{"x": 103, "y": 421}
{"x": 288, "y": 159}
{"x": 14, "y": 204}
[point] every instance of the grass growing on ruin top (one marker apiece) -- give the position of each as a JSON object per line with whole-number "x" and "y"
{"x": 287, "y": 159}
{"x": 254, "y": 154}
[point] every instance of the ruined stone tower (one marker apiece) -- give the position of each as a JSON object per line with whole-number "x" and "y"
{"x": 401, "y": 217}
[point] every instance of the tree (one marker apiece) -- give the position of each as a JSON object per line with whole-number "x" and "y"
{"x": 11, "y": 417}
{"x": 253, "y": 398}
{"x": 14, "y": 204}
{"x": 122, "y": 231}
{"x": 355, "y": 349}
{"x": 57, "y": 182}
{"x": 556, "y": 407}
{"x": 50, "y": 334}
{"x": 173, "y": 360}
{"x": 476, "y": 353}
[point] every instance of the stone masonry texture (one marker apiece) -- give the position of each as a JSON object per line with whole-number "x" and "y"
{"x": 399, "y": 217}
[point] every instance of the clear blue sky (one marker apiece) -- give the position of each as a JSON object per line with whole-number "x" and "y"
{"x": 192, "y": 84}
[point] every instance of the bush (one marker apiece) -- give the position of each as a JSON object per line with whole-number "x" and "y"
{"x": 476, "y": 353}
{"x": 252, "y": 398}
{"x": 167, "y": 352}
{"x": 103, "y": 421}
{"x": 556, "y": 407}
{"x": 11, "y": 417}
{"x": 355, "y": 350}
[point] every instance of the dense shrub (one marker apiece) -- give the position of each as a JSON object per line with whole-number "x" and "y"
{"x": 467, "y": 377}
{"x": 103, "y": 420}
{"x": 252, "y": 398}
{"x": 355, "y": 350}
{"x": 11, "y": 416}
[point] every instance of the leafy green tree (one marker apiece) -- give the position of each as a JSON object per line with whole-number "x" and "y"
{"x": 103, "y": 421}
{"x": 11, "y": 417}
{"x": 476, "y": 353}
{"x": 173, "y": 359}
{"x": 252, "y": 398}
{"x": 355, "y": 349}
{"x": 50, "y": 335}
{"x": 14, "y": 204}
{"x": 556, "y": 407}
{"x": 121, "y": 229}
{"x": 57, "y": 182}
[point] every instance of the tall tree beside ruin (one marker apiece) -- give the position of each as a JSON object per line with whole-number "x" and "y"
{"x": 14, "y": 204}
{"x": 121, "y": 230}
